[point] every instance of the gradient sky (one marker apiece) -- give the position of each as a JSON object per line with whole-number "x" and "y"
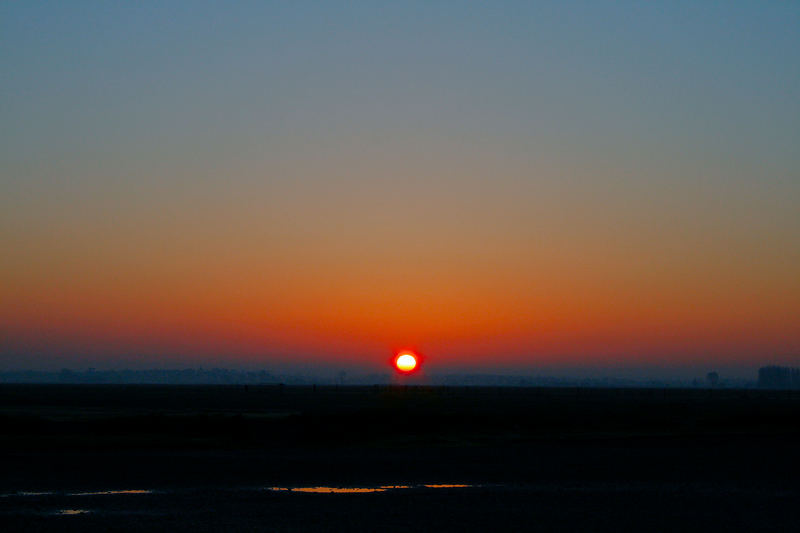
{"x": 500, "y": 185}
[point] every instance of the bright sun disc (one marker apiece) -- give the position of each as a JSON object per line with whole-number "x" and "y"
{"x": 406, "y": 362}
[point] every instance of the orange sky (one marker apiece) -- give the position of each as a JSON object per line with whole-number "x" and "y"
{"x": 507, "y": 278}
{"x": 536, "y": 186}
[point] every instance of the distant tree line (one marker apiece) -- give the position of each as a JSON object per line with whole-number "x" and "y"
{"x": 226, "y": 376}
{"x": 188, "y": 376}
{"x": 779, "y": 377}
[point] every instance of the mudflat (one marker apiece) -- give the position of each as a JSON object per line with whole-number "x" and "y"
{"x": 130, "y": 458}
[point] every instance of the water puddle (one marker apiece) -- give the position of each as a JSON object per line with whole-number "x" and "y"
{"x": 331, "y": 490}
{"x": 110, "y": 492}
{"x": 72, "y": 512}
{"x": 310, "y": 490}
{"x": 25, "y": 493}
{"x": 363, "y": 490}
{"x": 31, "y": 494}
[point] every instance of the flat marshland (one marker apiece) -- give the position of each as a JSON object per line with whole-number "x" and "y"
{"x": 134, "y": 457}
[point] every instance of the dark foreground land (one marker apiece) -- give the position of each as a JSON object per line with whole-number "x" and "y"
{"x": 204, "y": 459}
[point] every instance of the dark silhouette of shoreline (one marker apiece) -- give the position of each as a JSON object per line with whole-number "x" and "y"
{"x": 226, "y": 376}
{"x": 201, "y": 457}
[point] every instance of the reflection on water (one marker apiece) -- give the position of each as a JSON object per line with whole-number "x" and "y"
{"x": 110, "y": 492}
{"x": 361, "y": 490}
{"x": 88, "y": 493}
{"x": 329, "y": 490}
{"x": 338, "y": 490}
{"x": 71, "y": 512}
{"x": 315, "y": 489}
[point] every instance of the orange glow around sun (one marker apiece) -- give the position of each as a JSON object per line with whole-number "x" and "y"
{"x": 406, "y": 362}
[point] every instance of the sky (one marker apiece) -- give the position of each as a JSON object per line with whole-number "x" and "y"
{"x": 518, "y": 186}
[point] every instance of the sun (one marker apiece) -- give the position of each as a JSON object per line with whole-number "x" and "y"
{"x": 406, "y": 362}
